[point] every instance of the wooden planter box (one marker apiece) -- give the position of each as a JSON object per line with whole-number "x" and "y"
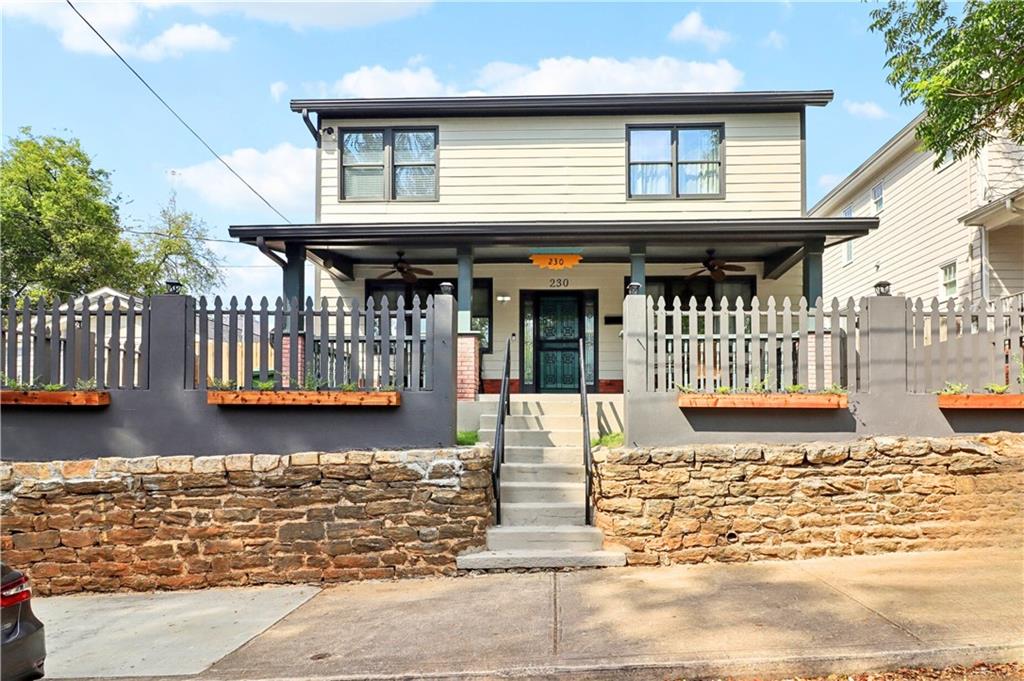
{"x": 762, "y": 401}
{"x": 60, "y": 398}
{"x": 982, "y": 401}
{"x": 321, "y": 398}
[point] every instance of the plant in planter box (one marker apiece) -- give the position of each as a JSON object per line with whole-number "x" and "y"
{"x": 85, "y": 384}
{"x": 349, "y": 387}
{"x": 796, "y": 388}
{"x": 686, "y": 389}
{"x": 834, "y": 389}
{"x": 262, "y": 386}
{"x": 997, "y": 388}
{"x": 723, "y": 390}
{"x": 952, "y": 388}
{"x": 221, "y": 384}
{"x": 52, "y": 387}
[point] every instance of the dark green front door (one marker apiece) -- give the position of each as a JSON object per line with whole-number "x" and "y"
{"x": 558, "y": 337}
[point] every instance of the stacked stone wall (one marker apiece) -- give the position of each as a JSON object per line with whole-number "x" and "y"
{"x": 175, "y": 522}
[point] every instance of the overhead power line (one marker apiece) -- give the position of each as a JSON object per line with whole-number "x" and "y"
{"x": 175, "y": 113}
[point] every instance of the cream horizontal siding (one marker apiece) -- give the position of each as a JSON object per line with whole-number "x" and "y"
{"x": 538, "y": 168}
{"x": 918, "y": 232}
{"x": 1006, "y": 260}
{"x": 607, "y": 279}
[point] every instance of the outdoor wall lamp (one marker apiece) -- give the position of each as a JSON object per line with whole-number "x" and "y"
{"x": 447, "y": 288}
{"x": 882, "y": 288}
{"x": 503, "y": 298}
{"x": 173, "y": 287}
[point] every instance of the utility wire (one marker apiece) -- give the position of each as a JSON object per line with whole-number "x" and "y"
{"x": 175, "y": 113}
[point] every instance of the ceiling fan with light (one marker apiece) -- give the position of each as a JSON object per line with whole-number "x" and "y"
{"x": 402, "y": 268}
{"x": 716, "y": 267}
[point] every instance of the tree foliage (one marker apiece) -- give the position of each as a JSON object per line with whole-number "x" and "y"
{"x": 61, "y": 232}
{"x": 968, "y": 72}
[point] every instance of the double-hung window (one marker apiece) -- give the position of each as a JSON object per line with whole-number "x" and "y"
{"x": 878, "y": 197}
{"x": 947, "y": 280}
{"x": 389, "y": 164}
{"x": 674, "y": 162}
{"x": 848, "y": 246}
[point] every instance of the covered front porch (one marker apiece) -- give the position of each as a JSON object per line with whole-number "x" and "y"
{"x": 518, "y": 283}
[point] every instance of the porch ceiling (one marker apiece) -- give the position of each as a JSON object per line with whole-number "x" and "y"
{"x": 601, "y": 241}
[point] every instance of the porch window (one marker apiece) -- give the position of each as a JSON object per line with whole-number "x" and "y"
{"x": 482, "y": 319}
{"x": 675, "y": 162}
{"x": 398, "y": 164}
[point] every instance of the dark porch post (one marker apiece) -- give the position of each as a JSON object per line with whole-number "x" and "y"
{"x": 812, "y": 271}
{"x": 294, "y": 281}
{"x": 465, "y": 288}
{"x": 638, "y": 266}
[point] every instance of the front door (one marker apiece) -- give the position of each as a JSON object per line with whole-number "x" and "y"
{"x": 552, "y": 324}
{"x": 558, "y": 340}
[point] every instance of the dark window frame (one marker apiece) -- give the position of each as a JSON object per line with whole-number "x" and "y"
{"x": 674, "y": 128}
{"x": 372, "y": 285}
{"x": 668, "y": 279}
{"x": 389, "y": 164}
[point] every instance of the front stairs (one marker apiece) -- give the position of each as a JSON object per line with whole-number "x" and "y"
{"x": 543, "y": 506}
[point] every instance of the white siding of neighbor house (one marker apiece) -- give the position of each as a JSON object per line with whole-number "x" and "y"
{"x": 607, "y": 279}
{"x": 555, "y": 168}
{"x": 918, "y": 232}
{"x": 1002, "y": 164}
{"x": 1006, "y": 259}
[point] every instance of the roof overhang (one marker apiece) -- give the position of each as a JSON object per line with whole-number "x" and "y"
{"x": 766, "y": 240}
{"x": 566, "y": 105}
{"x": 998, "y": 213}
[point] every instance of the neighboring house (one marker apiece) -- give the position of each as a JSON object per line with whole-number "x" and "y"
{"x": 952, "y": 231}
{"x": 487, "y": 191}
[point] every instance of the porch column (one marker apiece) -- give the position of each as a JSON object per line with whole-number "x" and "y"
{"x": 812, "y": 271}
{"x": 638, "y": 266}
{"x": 465, "y": 289}
{"x": 294, "y": 281}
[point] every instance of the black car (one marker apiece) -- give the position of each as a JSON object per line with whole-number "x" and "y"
{"x": 24, "y": 648}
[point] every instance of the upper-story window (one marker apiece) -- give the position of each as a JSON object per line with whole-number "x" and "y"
{"x": 674, "y": 162}
{"x": 389, "y": 164}
{"x": 878, "y": 197}
{"x": 848, "y": 246}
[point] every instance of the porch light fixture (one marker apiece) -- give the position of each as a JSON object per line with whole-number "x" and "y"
{"x": 503, "y": 298}
{"x": 633, "y": 288}
{"x": 447, "y": 288}
{"x": 882, "y": 288}
{"x": 173, "y": 287}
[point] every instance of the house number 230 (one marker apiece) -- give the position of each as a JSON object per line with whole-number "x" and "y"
{"x": 558, "y": 283}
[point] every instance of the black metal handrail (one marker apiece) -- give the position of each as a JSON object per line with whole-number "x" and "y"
{"x": 587, "y": 462}
{"x": 499, "y": 432}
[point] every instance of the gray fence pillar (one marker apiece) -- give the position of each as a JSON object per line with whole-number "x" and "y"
{"x": 170, "y": 346}
{"x": 445, "y": 360}
{"x": 887, "y": 345}
{"x": 634, "y": 354}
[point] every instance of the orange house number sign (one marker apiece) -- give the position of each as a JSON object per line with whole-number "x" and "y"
{"x": 556, "y": 261}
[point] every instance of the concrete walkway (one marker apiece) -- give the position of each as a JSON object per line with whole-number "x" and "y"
{"x": 779, "y": 618}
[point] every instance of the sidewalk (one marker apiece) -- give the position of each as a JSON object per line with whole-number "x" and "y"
{"x": 779, "y": 618}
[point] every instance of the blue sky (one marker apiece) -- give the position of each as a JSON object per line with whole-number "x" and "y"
{"x": 229, "y": 68}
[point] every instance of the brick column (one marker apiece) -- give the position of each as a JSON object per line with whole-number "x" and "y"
{"x": 468, "y": 374}
{"x": 287, "y": 380}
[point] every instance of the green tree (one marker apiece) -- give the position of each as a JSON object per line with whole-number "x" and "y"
{"x": 61, "y": 233}
{"x": 59, "y": 226}
{"x": 176, "y": 250}
{"x": 968, "y": 72}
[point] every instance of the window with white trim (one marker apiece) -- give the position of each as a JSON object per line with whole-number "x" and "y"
{"x": 878, "y": 197}
{"x": 848, "y": 246}
{"x": 947, "y": 280}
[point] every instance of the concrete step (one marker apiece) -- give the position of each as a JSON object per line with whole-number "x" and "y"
{"x": 537, "y": 438}
{"x": 559, "y": 422}
{"x": 541, "y": 492}
{"x": 538, "y": 558}
{"x": 542, "y": 472}
{"x": 562, "y": 455}
{"x": 544, "y": 538}
{"x": 532, "y": 513}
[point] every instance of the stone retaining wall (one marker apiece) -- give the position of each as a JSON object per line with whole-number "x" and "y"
{"x": 182, "y": 522}
{"x": 752, "y": 502}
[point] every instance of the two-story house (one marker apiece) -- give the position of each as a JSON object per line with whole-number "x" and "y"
{"x": 544, "y": 208}
{"x": 952, "y": 230}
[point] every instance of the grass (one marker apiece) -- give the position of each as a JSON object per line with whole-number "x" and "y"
{"x": 608, "y": 440}
{"x": 467, "y": 437}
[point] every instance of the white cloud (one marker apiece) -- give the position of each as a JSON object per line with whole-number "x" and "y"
{"x": 693, "y": 29}
{"x": 774, "y": 39}
{"x": 827, "y": 181}
{"x": 182, "y": 38}
{"x": 277, "y": 89}
{"x": 283, "y": 174}
{"x": 870, "y": 110}
{"x": 119, "y": 23}
{"x": 303, "y": 15}
{"x": 557, "y": 75}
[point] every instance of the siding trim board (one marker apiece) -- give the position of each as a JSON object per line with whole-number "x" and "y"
{"x": 569, "y": 105}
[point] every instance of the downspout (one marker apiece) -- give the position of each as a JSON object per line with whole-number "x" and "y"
{"x": 313, "y": 130}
